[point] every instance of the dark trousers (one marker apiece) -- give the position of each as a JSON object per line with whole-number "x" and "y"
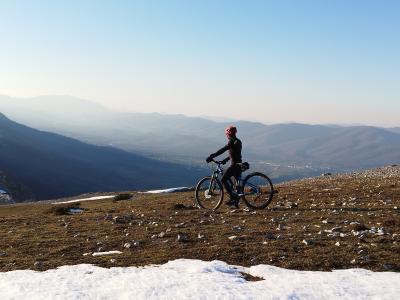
{"x": 233, "y": 170}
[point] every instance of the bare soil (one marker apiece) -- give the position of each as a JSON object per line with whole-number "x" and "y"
{"x": 322, "y": 223}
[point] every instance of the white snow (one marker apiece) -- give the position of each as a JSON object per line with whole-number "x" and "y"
{"x": 86, "y": 199}
{"x": 171, "y": 190}
{"x": 3, "y": 191}
{"x": 195, "y": 279}
{"x": 106, "y": 253}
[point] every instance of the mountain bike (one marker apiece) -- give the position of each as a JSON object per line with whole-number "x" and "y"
{"x": 256, "y": 189}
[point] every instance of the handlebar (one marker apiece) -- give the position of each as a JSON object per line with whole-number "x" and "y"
{"x": 218, "y": 162}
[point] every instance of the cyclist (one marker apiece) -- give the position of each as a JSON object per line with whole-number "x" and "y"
{"x": 235, "y": 155}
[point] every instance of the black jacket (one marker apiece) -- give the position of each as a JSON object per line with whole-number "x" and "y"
{"x": 235, "y": 150}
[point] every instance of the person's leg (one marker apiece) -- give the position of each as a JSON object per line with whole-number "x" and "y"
{"x": 225, "y": 180}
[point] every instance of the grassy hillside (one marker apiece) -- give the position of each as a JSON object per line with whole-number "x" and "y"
{"x": 323, "y": 223}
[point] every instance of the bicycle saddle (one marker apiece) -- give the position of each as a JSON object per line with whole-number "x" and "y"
{"x": 244, "y": 166}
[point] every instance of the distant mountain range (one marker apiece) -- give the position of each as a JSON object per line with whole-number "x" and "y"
{"x": 49, "y": 165}
{"x": 292, "y": 150}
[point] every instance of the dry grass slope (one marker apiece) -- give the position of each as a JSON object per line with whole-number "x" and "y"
{"x": 322, "y": 223}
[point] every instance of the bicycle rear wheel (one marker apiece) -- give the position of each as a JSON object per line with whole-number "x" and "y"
{"x": 209, "y": 193}
{"x": 258, "y": 190}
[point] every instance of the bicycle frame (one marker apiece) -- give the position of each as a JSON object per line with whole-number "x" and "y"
{"x": 216, "y": 173}
{"x": 235, "y": 187}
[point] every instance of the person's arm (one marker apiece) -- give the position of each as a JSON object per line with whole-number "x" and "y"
{"x": 222, "y": 150}
{"x": 226, "y": 160}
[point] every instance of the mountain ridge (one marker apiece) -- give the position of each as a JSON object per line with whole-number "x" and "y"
{"x": 52, "y": 165}
{"x": 166, "y": 137}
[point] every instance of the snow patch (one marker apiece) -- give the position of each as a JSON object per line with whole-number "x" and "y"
{"x": 106, "y": 253}
{"x": 86, "y": 199}
{"x": 195, "y": 279}
{"x": 171, "y": 190}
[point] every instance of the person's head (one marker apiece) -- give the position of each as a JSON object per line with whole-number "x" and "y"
{"x": 230, "y": 131}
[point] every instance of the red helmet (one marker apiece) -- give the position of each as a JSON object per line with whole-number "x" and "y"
{"x": 230, "y": 130}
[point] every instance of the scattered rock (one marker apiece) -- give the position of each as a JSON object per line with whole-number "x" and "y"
{"x": 270, "y": 236}
{"x": 183, "y": 238}
{"x": 281, "y": 227}
{"x": 122, "y": 219}
{"x": 137, "y": 243}
{"x": 308, "y": 242}
{"x": 336, "y": 229}
{"x": 38, "y": 265}
{"x": 237, "y": 228}
{"x": 180, "y": 225}
{"x": 390, "y": 267}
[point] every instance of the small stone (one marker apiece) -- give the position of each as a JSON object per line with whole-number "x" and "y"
{"x": 108, "y": 217}
{"x": 200, "y": 236}
{"x": 233, "y": 237}
{"x": 337, "y": 244}
{"x": 237, "y": 228}
{"x": 308, "y": 242}
{"x": 270, "y": 236}
{"x": 2, "y": 254}
{"x": 137, "y": 243}
{"x": 183, "y": 238}
{"x": 122, "y": 219}
{"x": 281, "y": 227}
{"x": 38, "y": 265}
{"x": 180, "y": 225}
{"x": 127, "y": 245}
{"x": 161, "y": 234}
{"x": 389, "y": 267}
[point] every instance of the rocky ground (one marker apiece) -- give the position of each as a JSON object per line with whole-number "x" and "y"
{"x": 322, "y": 223}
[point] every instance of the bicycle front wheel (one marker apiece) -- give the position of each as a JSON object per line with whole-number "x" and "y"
{"x": 257, "y": 190}
{"x": 209, "y": 193}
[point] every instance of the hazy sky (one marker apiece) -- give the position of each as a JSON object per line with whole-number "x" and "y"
{"x": 271, "y": 61}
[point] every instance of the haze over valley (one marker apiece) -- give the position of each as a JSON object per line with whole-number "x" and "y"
{"x": 173, "y": 143}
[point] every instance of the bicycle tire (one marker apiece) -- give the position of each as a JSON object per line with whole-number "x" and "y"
{"x": 207, "y": 201}
{"x": 264, "y": 193}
